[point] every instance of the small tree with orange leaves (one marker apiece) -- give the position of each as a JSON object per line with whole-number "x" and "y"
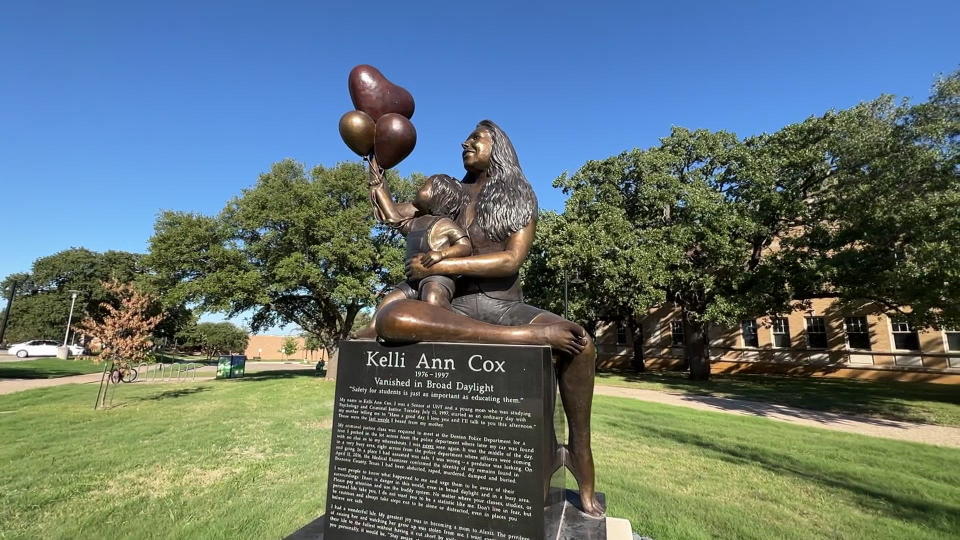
{"x": 126, "y": 330}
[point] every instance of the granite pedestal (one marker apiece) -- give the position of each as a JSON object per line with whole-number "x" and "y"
{"x": 448, "y": 440}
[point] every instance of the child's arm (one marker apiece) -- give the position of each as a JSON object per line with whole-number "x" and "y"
{"x": 384, "y": 208}
{"x": 459, "y": 244}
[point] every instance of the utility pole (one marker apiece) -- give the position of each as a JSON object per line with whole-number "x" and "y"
{"x": 6, "y": 314}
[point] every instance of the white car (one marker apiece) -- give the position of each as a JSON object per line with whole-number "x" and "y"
{"x": 40, "y": 347}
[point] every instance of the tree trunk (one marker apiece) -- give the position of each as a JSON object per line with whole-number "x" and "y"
{"x": 698, "y": 349}
{"x": 333, "y": 357}
{"x": 636, "y": 334}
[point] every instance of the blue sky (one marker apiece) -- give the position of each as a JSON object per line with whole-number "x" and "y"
{"x": 113, "y": 111}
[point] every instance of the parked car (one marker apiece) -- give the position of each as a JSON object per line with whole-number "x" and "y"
{"x": 40, "y": 347}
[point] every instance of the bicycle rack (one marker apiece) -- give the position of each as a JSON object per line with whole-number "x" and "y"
{"x": 147, "y": 373}
{"x": 170, "y": 372}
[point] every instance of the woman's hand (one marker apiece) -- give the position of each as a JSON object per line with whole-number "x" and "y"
{"x": 415, "y": 268}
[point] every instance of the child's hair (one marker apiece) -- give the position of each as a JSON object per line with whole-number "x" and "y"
{"x": 448, "y": 198}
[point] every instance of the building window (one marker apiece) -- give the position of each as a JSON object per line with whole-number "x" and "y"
{"x": 749, "y": 331}
{"x": 953, "y": 340}
{"x": 781, "y": 332}
{"x": 905, "y": 337}
{"x": 621, "y": 334}
{"x": 816, "y": 333}
{"x": 858, "y": 333}
{"x": 676, "y": 333}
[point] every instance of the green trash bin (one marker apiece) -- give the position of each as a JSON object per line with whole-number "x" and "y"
{"x": 223, "y": 367}
{"x": 238, "y": 363}
{"x": 231, "y": 366}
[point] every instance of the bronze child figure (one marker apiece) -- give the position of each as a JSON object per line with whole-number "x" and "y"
{"x": 431, "y": 232}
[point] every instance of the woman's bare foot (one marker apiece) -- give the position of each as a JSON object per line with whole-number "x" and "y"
{"x": 563, "y": 336}
{"x": 591, "y": 506}
{"x": 588, "y": 497}
{"x": 367, "y": 332}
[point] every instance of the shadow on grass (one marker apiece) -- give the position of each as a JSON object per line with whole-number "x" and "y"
{"x": 38, "y": 373}
{"x": 277, "y": 374}
{"x": 891, "y": 400}
{"x": 47, "y": 368}
{"x": 869, "y": 494}
{"x": 758, "y": 408}
{"x": 173, "y": 394}
{"x": 162, "y": 358}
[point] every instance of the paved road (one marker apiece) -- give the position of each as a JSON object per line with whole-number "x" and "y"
{"x": 8, "y": 358}
{"x": 874, "y": 427}
{"x": 4, "y": 357}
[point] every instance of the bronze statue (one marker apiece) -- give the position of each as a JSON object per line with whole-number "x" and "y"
{"x": 500, "y": 219}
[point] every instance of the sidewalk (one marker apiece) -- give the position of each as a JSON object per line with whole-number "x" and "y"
{"x": 9, "y": 386}
{"x": 873, "y": 427}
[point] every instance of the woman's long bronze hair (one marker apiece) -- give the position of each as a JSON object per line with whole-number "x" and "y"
{"x": 506, "y": 203}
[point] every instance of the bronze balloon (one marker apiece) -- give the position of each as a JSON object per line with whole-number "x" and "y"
{"x": 373, "y": 94}
{"x": 357, "y": 130}
{"x": 394, "y": 140}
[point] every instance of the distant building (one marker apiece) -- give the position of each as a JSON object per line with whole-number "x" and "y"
{"x": 269, "y": 348}
{"x": 818, "y": 341}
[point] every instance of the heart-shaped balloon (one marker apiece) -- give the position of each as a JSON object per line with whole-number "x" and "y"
{"x": 357, "y": 130}
{"x": 394, "y": 140}
{"x": 373, "y": 94}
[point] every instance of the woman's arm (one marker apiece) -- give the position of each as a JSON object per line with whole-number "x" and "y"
{"x": 497, "y": 264}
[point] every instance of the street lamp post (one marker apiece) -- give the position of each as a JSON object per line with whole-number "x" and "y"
{"x": 73, "y": 300}
{"x": 6, "y": 313}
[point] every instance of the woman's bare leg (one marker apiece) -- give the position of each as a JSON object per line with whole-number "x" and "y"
{"x": 575, "y": 375}
{"x": 412, "y": 320}
{"x": 369, "y": 331}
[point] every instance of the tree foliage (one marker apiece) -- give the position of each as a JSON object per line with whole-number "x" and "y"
{"x": 606, "y": 255}
{"x": 311, "y": 343}
{"x": 289, "y": 346}
{"x": 683, "y": 222}
{"x": 125, "y": 332}
{"x": 42, "y": 304}
{"x": 863, "y": 204}
{"x": 882, "y": 225}
{"x": 214, "y": 339}
{"x": 297, "y": 248}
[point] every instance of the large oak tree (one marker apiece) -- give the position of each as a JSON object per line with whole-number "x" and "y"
{"x": 861, "y": 204}
{"x": 299, "y": 247}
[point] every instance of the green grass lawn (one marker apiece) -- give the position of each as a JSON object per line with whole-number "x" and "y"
{"x": 247, "y": 458}
{"x": 47, "y": 368}
{"x": 907, "y": 401}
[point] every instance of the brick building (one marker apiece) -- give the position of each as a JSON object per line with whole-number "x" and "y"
{"x": 819, "y": 341}
{"x": 269, "y": 347}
